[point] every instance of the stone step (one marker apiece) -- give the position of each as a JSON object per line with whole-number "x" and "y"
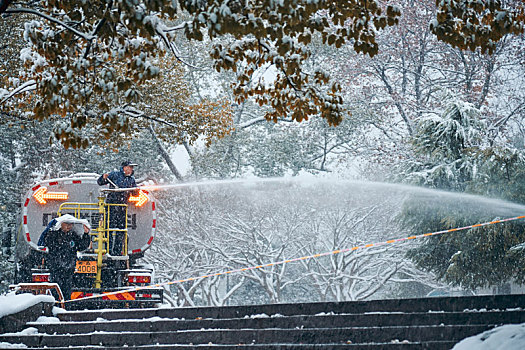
{"x": 446, "y": 304}
{"x": 434, "y": 345}
{"x": 286, "y": 322}
{"x": 355, "y": 335}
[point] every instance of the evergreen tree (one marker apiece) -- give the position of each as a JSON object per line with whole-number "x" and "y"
{"x": 453, "y": 157}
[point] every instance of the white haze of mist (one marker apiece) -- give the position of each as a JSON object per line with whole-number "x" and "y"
{"x": 210, "y": 226}
{"x": 364, "y": 189}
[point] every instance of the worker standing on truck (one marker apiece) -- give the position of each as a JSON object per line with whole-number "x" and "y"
{"x": 122, "y": 178}
{"x": 62, "y": 241}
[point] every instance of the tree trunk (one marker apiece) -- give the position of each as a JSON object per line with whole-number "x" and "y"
{"x": 165, "y": 154}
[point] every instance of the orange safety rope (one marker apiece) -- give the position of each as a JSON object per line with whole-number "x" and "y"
{"x": 364, "y": 246}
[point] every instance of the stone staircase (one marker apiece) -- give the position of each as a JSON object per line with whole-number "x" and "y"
{"x": 427, "y": 323}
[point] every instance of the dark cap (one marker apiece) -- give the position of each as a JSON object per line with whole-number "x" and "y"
{"x": 128, "y": 163}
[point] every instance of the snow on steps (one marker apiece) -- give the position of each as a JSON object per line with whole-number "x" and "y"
{"x": 427, "y": 323}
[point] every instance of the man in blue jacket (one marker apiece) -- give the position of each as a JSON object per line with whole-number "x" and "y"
{"x": 122, "y": 178}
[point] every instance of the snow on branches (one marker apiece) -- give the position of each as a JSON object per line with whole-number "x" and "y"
{"x": 469, "y": 24}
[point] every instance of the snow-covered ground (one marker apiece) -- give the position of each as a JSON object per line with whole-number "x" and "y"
{"x": 13, "y": 303}
{"x": 507, "y": 337}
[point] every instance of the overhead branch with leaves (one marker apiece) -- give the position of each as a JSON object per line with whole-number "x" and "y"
{"x": 472, "y": 24}
{"x": 86, "y": 60}
{"x": 277, "y": 33}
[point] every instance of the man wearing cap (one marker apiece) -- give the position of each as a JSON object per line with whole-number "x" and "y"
{"x": 122, "y": 178}
{"x": 63, "y": 240}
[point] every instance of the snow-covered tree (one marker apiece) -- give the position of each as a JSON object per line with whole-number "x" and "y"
{"x": 217, "y": 227}
{"x": 445, "y": 143}
{"x": 454, "y": 157}
{"x": 405, "y": 81}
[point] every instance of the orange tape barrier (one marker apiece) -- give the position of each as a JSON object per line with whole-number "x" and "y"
{"x": 364, "y": 246}
{"x": 120, "y": 295}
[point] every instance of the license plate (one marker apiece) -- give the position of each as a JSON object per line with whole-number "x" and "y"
{"x": 86, "y": 267}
